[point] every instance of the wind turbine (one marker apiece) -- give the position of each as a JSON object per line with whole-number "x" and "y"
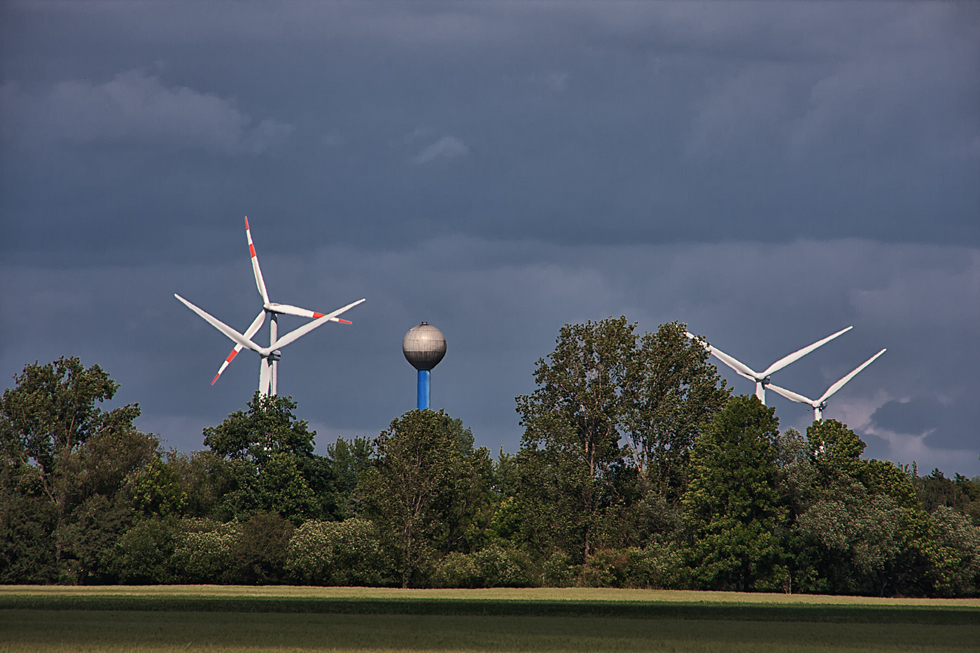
{"x": 269, "y": 363}
{"x": 762, "y": 378}
{"x": 820, "y": 404}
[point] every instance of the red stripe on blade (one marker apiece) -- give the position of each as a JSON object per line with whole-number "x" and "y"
{"x": 316, "y": 315}
{"x": 251, "y": 248}
{"x": 344, "y": 321}
{"x": 231, "y": 355}
{"x": 215, "y": 378}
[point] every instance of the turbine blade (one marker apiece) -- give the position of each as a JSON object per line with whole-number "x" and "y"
{"x": 797, "y": 355}
{"x": 296, "y": 334}
{"x": 792, "y": 396}
{"x": 259, "y": 281}
{"x": 840, "y": 384}
{"x": 223, "y": 328}
{"x": 255, "y": 326}
{"x": 286, "y": 309}
{"x": 738, "y": 366}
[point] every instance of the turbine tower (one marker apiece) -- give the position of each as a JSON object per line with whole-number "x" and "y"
{"x": 424, "y": 346}
{"x": 820, "y": 404}
{"x": 269, "y": 356}
{"x": 762, "y": 378}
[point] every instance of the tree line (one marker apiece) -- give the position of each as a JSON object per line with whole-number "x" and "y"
{"x": 637, "y": 468}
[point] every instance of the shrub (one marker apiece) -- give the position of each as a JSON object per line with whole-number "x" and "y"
{"x": 456, "y": 570}
{"x": 142, "y": 555}
{"x": 657, "y": 566}
{"x": 338, "y": 553}
{"x": 494, "y": 566}
{"x": 259, "y": 553}
{"x": 557, "y": 572}
{"x": 204, "y": 551}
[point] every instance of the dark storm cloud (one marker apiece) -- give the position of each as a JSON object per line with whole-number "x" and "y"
{"x": 629, "y": 123}
{"x": 766, "y": 172}
{"x": 135, "y": 108}
{"x": 946, "y": 425}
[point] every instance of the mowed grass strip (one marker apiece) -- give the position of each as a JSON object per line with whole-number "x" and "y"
{"x": 88, "y": 630}
{"x": 523, "y": 603}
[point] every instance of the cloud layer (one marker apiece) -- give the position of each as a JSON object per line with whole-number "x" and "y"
{"x": 134, "y": 108}
{"x": 766, "y": 172}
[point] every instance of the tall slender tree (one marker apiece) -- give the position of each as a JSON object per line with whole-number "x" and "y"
{"x": 675, "y": 395}
{"x": 573, "y": 423}
{"x": 732, "y": 509}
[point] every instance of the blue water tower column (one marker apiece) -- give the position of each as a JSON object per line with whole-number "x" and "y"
{"x": 423, "y": 401}
{"x": 424, "y": 346}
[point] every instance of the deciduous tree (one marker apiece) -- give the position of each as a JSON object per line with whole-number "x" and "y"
{"x": 427, "y": 489}
{"x": 62, "y": 453}
{"x": 274, "y": 468}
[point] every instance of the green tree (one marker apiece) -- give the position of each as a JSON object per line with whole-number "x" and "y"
{"x": 671, "y": 403}
{"x": 429, "y": 490}
{"x": 61, "y": 455}
{"x": 349, "y": 460}
{"x": 157, "y": 491}
{"x": 273, "y": 466}
{"x": 732, "y": 509}
{"x": 206, "y": 479}
{"x": 608, "y": 433}
{"x": 573, "y": 423}
{"x": 259, "y": 552}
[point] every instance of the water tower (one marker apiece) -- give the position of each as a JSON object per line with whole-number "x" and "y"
{"x": 424, "y": 346}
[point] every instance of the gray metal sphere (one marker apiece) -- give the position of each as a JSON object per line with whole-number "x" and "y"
{"x": 424, "y": 346}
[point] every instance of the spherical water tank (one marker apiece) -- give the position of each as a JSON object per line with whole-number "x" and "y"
{"x": 424, "y": 346}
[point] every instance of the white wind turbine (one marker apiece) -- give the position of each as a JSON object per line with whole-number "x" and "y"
{"x": 269, "y": 363}
{"x": 762, "y": 378}
{"x": 820, "y": 404}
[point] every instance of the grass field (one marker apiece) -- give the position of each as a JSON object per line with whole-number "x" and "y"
{"x": 355, "y": 619}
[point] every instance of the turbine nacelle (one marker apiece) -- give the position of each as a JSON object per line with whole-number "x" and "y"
{"x": 819, "y": 405}
{"x": 268, "y": 365}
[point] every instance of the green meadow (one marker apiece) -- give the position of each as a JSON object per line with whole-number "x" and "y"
{"x": 204, "y": 618}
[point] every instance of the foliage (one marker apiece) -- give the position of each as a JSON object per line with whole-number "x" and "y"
{"x": 204, "y": 551}
{"x": 349, "y": 460}
{"x": 572, "y": 426}
{"x": 608, "y": 433}
{"x": 272, "y": 464}
{"x": 493, "y": 566}
{"x": 157, "y": 491}
{"x": 206, "y": 479}
{"x": 636, "y": 469}
{"x": 429, "y": 490}
{"x": 731, "y": 508}
{"x": 143, "y": 554}
{"x": 259, "y": 552}
{"x": 671, "y": 403}
{"x": 338, "y": 553}
{"x": 67, "y": 464}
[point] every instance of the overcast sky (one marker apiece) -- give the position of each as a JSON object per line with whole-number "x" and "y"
{"x": 767, "y": 173}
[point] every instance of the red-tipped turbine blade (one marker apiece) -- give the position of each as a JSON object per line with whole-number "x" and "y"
{"x": 252, "y": 329}
{"x": 259, "y": 281}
